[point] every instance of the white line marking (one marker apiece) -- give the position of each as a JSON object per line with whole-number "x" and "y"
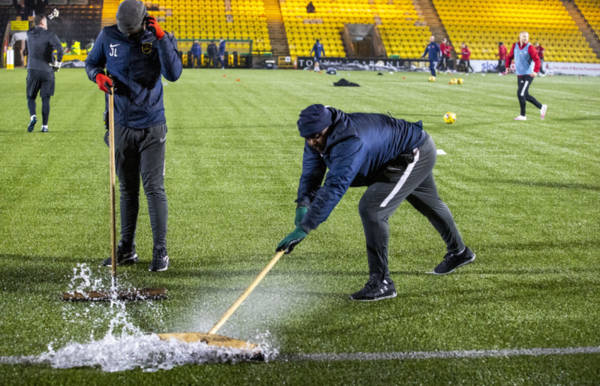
{"x": 20, "y": 360}
{"x": 402, "y": 181}
{"x": 441, "y": 152}
{"x": 380, "y": 356}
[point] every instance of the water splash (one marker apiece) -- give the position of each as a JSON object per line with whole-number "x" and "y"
{"x": 124, "y": 346}
{"x": 147, "y": 352}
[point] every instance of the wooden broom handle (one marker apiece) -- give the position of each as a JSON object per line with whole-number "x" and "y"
{"x": 246, "y": 293}
{"x": 111, "y": 147}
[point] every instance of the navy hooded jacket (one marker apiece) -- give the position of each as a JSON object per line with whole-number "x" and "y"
{"x": 433, "y": 51}
{"x": 136, "y": 67}
{"x": 358, "y": 148}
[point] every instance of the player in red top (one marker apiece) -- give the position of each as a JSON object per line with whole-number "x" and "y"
{"x": 501, "y": 57}
{"x": 465, "y": 58}
{"x": 540, "y": 51}
{"x": 446, "y": 50}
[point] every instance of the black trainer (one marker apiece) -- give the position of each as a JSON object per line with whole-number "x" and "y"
{"x": 160, "y": 261}
{"x": 374, "y": 290}
{"x": 32, "y": 123}
{"x": 123, "y": 258}
{"x": 453, "y": 261}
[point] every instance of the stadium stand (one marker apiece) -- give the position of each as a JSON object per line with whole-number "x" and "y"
{"x": 214, "y": 19}
{"x": 402, "y": 31}
{"x": 482, "y": 24}
{"x": 590, "y": 9}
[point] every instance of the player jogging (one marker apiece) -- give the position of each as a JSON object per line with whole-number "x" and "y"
{"x": 41, "y": 65}
{"x": 527, "y": 65}
{"x": 394, "y": 159}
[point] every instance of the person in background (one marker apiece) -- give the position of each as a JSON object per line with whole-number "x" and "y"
{"x": 433, "y": 52}
{"x": 446, "y": 51}
{"x": 222, "y": 53}
{"x": 23, "y": 12}
{"x": 21, "y": 39}
{"x": 527, "y": 65}
{"x": 211, "y": 52}
{"x": 501, "y": 57}
{"x": 540, "y": 52}
{"x": 319, "y": 52}
{"x": 41, "y": 65}
{"x": 196, "y": 52}
{"x": 465, "y": 58}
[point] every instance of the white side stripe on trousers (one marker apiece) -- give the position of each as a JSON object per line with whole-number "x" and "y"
{"x": 524, "y": 88}
{"x": 403, "y": 179}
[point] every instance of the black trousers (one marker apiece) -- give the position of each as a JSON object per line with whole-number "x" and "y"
{"x": 432, "y": 64}
{"x": 141, "y": 152}
{"x": 524, "y": 82}
{"x": 41, "y": 82}
{"x": 414, "y": 183}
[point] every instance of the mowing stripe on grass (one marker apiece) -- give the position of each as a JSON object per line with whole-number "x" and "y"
{"x": 381, "y": 356}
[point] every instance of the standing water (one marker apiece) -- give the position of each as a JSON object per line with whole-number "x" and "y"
{"x": 124, "y": 346}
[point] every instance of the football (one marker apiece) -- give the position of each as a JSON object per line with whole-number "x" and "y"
{"x": 432, "y": 78}
{"x": 460, "y": 81}
{"x": 449, "y": 118}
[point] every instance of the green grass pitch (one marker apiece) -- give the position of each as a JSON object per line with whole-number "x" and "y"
{"x": 525, "y": 196}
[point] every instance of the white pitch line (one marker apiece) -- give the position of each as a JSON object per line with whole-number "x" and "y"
{"x": 20, "y": 360}
{"x": 381, "y": 356}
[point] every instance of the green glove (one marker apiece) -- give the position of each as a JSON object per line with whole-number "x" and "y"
{"x": 300, "y": 212}
{"x": 291, "y": 240}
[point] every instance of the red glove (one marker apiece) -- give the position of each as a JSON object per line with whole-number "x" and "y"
{"x": 154, "y": 27}
{"x": 104, "y": 82}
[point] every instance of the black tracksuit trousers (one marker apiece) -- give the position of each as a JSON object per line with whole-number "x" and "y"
{"x": 141, "y": 152}
{"x": 413, "y": 182}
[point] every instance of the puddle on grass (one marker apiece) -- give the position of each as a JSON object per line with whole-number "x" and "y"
{"x": 121, "y": 344}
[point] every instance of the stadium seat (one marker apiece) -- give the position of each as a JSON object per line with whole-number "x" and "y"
{"x": 548, "y": 22}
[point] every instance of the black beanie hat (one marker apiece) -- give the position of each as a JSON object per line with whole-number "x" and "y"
{"x": 313, "y": 120}
{"x": 130, "y": 16}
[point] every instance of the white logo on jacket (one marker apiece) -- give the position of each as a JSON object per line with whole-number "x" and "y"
{"x": 113, "y": 50}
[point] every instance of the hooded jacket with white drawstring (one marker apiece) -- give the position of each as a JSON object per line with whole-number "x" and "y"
{"x": 358, "y": 147}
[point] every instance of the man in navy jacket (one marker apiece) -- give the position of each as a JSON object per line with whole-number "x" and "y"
{"x": 433, "y": 52}
{"x": 135, "y": 53}
{"x": 395, "y": 159}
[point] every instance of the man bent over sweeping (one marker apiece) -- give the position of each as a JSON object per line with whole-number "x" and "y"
{"x": 395, "y": 159}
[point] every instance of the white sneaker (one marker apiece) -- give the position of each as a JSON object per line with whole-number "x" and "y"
{"x": 521, "y": 118}
{"x": 543, "y": 111}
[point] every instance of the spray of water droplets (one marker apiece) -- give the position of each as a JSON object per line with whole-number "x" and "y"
{"x": 124, "y": 346}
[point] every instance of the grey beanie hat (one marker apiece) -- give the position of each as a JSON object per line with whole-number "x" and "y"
{"x": 130, "y": 16}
